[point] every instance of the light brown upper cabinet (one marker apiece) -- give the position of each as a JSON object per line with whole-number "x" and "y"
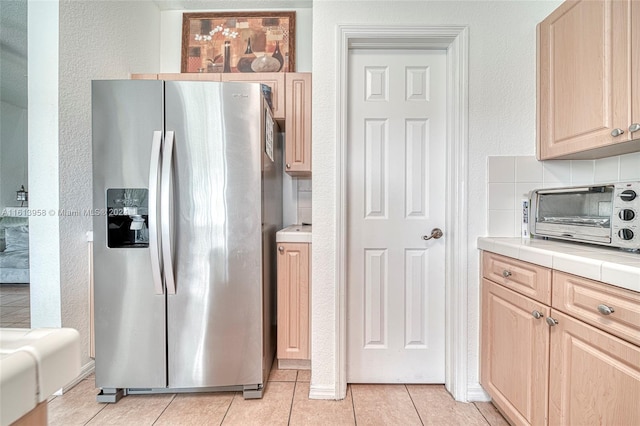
{"x": 274, "y": 80}
{"x": 298, "y": 124}
{"x": 589, "y": 79}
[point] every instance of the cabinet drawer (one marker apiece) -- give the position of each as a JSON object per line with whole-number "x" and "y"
{"x": 525, "y": 278}
{"x": 589, "y": 300}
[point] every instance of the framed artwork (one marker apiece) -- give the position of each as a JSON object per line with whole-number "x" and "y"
{"x": 238, "y": 42}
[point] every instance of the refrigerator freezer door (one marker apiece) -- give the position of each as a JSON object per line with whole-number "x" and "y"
{"x": 214, "y": 322}
{"x": 129, "y": 316}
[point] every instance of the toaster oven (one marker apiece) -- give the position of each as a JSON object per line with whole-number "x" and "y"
{"x": 606, "y": 214}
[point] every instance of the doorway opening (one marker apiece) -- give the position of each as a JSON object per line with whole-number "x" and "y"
{"x": 454, "y": 40}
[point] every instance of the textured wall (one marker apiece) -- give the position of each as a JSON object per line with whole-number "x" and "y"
{"x": 502, "y": 79}
{"x": 98, "y": 40}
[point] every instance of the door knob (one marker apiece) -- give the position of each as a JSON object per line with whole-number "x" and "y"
{"x": 435, "y": 233}
{"x": 634, "y": 127}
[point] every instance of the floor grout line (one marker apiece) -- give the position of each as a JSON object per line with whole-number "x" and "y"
{"x": 165, "y": 409}
{"x": 293, "y": 397}
{"x": 414, "y": 405}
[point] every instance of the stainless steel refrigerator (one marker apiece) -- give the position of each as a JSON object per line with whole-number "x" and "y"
{"x": 187, "y": 198}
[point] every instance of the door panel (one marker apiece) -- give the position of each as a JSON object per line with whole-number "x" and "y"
{"x": 214, "y": 321}
{"x": 129, "y": 319}
{"x": 396, "y": 154}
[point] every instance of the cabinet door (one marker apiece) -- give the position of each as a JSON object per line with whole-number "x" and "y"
{"x": 274, "y": 80}
{"x": 514, "y": 354}
{"x": 293, "y": 301}
{"x": 634, "y": 129}
{"x": 594, "y": 377}
{"x": 583, "y": 79}
{"x": 298, "y": 124}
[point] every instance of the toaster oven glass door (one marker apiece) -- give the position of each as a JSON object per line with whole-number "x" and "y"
{"x": 578, "y": 214}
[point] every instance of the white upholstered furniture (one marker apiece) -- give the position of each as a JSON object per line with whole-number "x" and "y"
{"x": 34, "y": 363}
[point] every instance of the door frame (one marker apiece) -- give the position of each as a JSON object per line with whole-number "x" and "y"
{"x": 455, "y": 41}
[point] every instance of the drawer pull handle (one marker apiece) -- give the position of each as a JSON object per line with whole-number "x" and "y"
{"x": 281, "y": 249}
{"x": 506, "y": 273}
{"x": 536, "y": 314}
{"x": 552, "y": 321}
{"x": 605, "y": 310}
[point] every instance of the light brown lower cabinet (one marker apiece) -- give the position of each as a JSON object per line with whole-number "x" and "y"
{"x": 293, "y": 301}
{"x": 515, "y": 353}
{"x": 543, "y": 366}
{"x": 595, "y": 377}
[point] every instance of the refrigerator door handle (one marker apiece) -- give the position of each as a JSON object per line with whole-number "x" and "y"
{"x": 154, "y": 173}
{"x": 165, "y": 211}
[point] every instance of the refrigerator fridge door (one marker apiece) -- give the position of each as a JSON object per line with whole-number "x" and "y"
{"x": 214, "y": 324}
{"x": 129, "y": 314}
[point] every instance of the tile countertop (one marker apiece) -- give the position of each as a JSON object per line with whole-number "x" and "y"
{"x": 609, "y": 265}
{"x": 294, "y": 234}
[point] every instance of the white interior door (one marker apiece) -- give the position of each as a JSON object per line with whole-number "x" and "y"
{"x": 396, "y": 190}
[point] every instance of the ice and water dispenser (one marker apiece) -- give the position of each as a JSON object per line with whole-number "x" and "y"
{"x": 127, "y": 218}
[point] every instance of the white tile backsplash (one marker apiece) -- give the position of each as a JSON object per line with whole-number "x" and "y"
{"x": 501, "y": 223}
{"x": 509, "y": 178}
{"x": 582, "y": 172}
{"x": 501, "y": 196}
{"x": 556, "y": 172}
{"x": 501, "y": 169}
{"x": 304, "y": 200}
{"x": 630, "y": 167}
{"x": 528, "y": 169}
{"x": 606, "y": 170}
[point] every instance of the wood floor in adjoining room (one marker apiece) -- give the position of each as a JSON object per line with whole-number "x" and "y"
{"x": 285, "y": 402}
{"x": 15, "y": 310}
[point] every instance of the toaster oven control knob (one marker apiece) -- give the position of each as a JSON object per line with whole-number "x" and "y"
{"x": 628, "y": 195}
{"x": 626, "y": 214}
{"x": 625, "y": 234}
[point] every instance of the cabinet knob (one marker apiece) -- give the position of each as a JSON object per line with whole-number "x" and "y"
{"x": 280, "y": 249}
{"x": 605, "y": 310}
{"x": 288, "y": 166}
{"x": 506, "y": 273}
{"x": 616, "y": 132}
{"x": 634, "y": 127}
{"x": 536, "y": 314}
{"x": 552, "y": 321}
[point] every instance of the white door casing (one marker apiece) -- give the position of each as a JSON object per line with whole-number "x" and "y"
{"x": 396, "y": 186}
{"x": 455, "y": 39}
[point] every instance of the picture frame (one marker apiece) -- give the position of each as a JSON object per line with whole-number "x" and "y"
{"x": 235, "y": 42}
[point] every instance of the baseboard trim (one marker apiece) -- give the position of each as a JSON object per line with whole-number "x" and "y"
{"x": 322, "y": 392}
{"x": 475, "y": 393}
{"x": 85, "y": 371}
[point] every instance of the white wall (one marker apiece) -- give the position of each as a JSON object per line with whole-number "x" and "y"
{"x": 44, "y": 242}
{"x": 13, "y": 153}
{"x": 13, "y": 100}
{"x": 502, "y": 69}
{"x": 98, "y": 40}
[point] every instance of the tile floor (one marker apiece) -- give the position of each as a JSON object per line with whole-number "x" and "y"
{"x": 15, "y": 311}
{"x": 285, "y": 402}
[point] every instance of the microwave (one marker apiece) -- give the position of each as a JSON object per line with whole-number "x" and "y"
{"x": 605, "y": 214}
